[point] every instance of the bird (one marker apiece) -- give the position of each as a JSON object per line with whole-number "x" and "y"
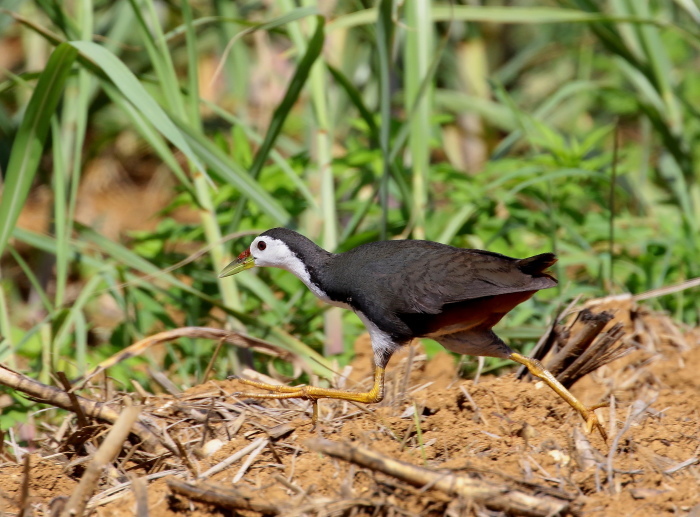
{"x": 407, "y": 289}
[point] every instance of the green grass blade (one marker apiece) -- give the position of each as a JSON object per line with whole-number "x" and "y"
{"x": 192, "y": 64}
{"x": 495, "y": 113}
{"x": 691, "y": 8}
{"x": 61, "y": 224}
{"x": 234, "y": 174}
{"x": 67, "y": 326}
{"x": 385, "y": 36}
{"x": 513, "y": 14}
{"x": 191, "y": 113}
{"x": 160, "y": 58}
{"x": 154, "y": 139}
{"x": 28, "y": 146}
{"x": 301, "y": 74}
{"x": 356, "y": 98}
{"x": 277, "y": 157}
{"x": 455, "y": 223}
{"x": 7, "y": 344}
{"x": 251, "y": 26}
{"x": 33, "y": 280}
{"x": 59, "y": 18}
{"x": 418, "y": 54}
{"x": 503, "y": 14}
{"x": 660, "y": 65}
{"x": 132, "y": 90}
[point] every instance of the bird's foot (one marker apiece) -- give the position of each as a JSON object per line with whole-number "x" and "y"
{"x": 278, "y": 391}
{"x": 313, "y": 393}
{"x": 592, "y": 422}
{"x": 290, "y": 392}
{"x": 588, "y": 413}
{"x": 309, "y": 393}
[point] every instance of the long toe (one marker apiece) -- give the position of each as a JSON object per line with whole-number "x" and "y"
{"x": 295, "y": 394}
{"x": 592, "y": 422}
{"x": 276, "y": 388}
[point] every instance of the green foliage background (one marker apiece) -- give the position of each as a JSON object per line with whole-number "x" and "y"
{"x": 568, "y": 125}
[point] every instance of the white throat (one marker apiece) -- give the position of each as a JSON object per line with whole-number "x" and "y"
{"x": 277, "y": 254}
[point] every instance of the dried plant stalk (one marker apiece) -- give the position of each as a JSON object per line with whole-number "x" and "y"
{"x": 233, "y": 458}
{"x": 593, "y": 325}
{"x": 139, "y": 485}
{"x": 104, "y": 456}
{"x": 234, "y": 338}
{"x": 606, "y": 349}
{"x": 494, "y": 496}
{"x": 59, "y": 398}
{"x": 223, "y": 497}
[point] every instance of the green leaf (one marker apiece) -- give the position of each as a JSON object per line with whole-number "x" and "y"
{"x": 356, "y": 98}
{"x": 134, "y": 92}
{"x": 27, "y": 149}
{"x": 234, "y": 174}
{"x": 301, "y": 74}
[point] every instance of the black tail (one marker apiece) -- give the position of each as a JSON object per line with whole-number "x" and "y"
{"x": 537, "y": 265}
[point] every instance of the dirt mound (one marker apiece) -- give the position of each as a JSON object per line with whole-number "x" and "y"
{"x": 515, "y": 438}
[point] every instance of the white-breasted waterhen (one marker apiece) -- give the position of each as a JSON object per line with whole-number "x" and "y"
{"x": 406, "y": 289}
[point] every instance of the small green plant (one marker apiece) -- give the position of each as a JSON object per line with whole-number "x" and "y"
{"x": 487, "y": 127}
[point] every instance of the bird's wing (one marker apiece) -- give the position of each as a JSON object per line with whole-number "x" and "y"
{"x": 449, "y": 275}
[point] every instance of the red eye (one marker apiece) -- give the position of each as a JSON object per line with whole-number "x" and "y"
{"x": 262, "y": 245}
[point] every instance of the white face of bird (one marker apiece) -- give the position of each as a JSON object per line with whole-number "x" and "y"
{"x": 270, "y": 252}
{"x": 265, "y": 251}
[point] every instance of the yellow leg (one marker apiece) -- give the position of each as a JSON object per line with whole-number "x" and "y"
{"x": 313, "y": 393}
{"x": 538, "y": 370}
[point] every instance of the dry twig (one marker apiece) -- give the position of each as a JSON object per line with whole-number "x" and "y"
{"x": 233, "y": 458}
{"x": 139, "y": 485}
{"x": 249, "y": 461}
{"x": 223, "y": 497}
{"x": 105, "y": 455}
{"x": 234, "y": 338}
{"x": 492, "y": 495}
{"x": 117, "y": 492}
{"x": 606, "y": 349}
{"x": 24, "y": 509}
{"x": 59, "y": 398}
{"x": 593, "y": 324}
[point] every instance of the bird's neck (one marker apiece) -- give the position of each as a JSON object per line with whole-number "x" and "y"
{"x": 310, "y": 265}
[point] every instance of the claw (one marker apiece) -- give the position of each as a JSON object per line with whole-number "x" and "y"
{"x": 588, "y": 413}
{"x": 593, "y": 422}
{"x": 313, "y": 393}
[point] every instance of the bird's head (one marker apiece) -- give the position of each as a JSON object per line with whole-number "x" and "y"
{"x": 269, "y": 249}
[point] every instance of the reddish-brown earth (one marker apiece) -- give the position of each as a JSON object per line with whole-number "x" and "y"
{"x": 512, "y": 432}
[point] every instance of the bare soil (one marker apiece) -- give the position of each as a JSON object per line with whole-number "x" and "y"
{"x": 517, "y": 434}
